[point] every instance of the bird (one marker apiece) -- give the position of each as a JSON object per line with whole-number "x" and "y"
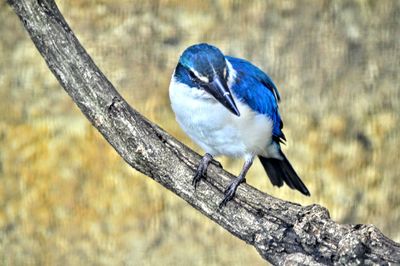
{"x": 229, "y": 107}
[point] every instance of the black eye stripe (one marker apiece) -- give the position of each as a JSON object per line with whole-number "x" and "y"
{"x": 192, "y": 75}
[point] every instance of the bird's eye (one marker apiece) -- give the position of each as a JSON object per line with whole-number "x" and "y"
{"x": 192, "y": 75}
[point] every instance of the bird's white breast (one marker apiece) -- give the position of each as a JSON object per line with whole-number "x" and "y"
{"x": 217, "y": 130}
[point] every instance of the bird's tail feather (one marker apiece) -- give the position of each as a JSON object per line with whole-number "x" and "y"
{"x": 280, "y": 171}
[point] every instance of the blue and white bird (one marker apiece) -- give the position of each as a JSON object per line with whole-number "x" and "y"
{"x": 229, "y": 107}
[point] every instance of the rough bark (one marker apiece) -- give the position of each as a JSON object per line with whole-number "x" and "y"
{"x": 284, "y": 233}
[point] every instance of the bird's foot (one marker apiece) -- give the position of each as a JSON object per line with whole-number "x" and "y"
{"x": 231, "y": 190}
{"x": 201, "y": 169}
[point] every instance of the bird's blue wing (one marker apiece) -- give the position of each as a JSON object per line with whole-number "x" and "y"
{"x": 255, "y": 88}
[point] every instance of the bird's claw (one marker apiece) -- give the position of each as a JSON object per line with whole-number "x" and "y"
{"x": 230, "y": 191}
{"x": 197, "y": 177}
{"x": 201, "y": 169}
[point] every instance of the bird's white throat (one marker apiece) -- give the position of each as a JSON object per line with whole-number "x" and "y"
{"x": 215, "y": 129}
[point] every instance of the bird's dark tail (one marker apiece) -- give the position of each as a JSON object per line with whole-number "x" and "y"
{"x": 280, "y": 171}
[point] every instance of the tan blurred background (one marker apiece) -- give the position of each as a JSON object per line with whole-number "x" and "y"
{"x": 68, "y": 199}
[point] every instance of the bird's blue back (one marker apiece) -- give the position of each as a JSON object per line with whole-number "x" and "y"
{"x": 254, "y": 88}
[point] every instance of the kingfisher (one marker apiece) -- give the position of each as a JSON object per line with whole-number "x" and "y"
{"x": 229, "y": 107}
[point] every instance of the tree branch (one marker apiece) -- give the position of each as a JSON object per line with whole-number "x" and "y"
{"x": 282, "y": 232}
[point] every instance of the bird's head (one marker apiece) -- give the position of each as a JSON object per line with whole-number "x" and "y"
{"x": 203, "y": 66}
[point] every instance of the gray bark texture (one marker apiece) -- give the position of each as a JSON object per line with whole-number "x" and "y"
{"x": 284, "y": 233}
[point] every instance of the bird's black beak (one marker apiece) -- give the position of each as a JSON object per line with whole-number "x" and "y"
{"x": 219, "y": 89}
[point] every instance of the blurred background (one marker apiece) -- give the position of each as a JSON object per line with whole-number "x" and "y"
{"x": 67, "y": 198}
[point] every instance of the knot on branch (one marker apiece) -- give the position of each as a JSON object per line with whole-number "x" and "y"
{"x": 311, "y": 231}
{"x": 351, "y": 249}
{"x": 367, "y": 245}
{"x": 312, "y": 219}
{"x": 115, "y": 107}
